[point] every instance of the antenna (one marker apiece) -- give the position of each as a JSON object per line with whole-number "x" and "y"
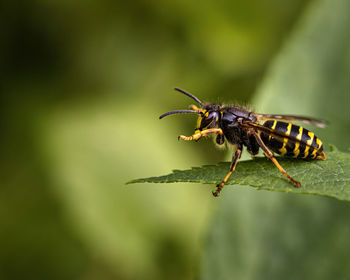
{"x": 179, "y": 112}
{"x": 189, "y": 95}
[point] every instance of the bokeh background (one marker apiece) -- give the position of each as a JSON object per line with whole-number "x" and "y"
{"x": 82, "y": 86}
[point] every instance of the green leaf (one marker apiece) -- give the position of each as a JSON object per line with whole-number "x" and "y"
{"x": 309, "y": 77}
{"x": 328, "y": 178}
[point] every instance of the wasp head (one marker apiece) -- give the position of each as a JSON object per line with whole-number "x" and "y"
{"x": 209, "y": 114}
{"x": 209, "y": 117}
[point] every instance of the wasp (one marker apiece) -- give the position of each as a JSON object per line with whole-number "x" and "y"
{"x": 242, "y": 127}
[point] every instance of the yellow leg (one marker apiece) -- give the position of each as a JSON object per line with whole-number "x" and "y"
{"x": 198, "y": 134}
{"x": 274, "y": 160}
{"x": 195, "y": 108}
{"x": 235, "y": 159}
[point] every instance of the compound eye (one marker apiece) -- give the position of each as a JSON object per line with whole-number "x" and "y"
{"x": 212, "y": 115}
{"x": 207, "y": 120}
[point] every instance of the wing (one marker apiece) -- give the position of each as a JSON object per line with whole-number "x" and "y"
{"x": 269, "y": 131}
{"x": 307, "y": 120}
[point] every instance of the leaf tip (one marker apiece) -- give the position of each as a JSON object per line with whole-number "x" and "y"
{"x": 134, "y": 181}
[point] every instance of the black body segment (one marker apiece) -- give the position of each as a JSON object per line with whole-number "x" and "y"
{"x": 297, "y": 142}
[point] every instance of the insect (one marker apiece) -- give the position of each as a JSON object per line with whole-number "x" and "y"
{"x": 241, "y": 127}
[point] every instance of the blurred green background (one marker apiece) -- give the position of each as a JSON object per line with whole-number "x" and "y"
{"x": 82, "y": 86}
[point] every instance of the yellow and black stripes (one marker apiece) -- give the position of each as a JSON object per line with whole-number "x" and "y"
{"x": 296, "y": 141}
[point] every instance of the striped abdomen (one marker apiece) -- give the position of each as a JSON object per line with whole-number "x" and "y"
{"x": 298, "y": 143}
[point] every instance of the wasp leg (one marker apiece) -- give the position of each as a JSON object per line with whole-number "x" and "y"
{"x": 198, "y": 134}
{"x": 195, "y": 108}
{"x": 235, "y": 159}
{"x": 274, "y": 160}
